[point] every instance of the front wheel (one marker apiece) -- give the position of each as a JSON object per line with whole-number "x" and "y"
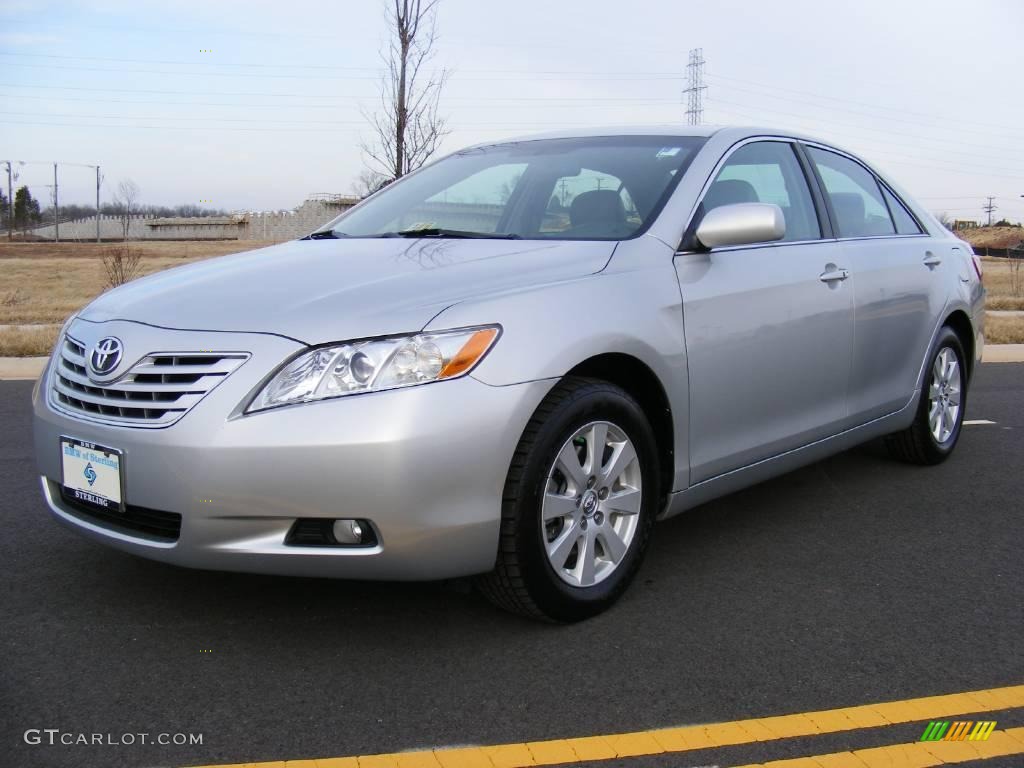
{"x": 579, "y": 502}
{"x": 930, "y": 439}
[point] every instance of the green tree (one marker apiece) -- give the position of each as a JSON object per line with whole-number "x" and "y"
{"x": 26, "y": 209}
{"x": 4, "y": 207}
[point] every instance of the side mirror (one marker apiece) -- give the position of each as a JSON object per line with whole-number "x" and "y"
{"x": 741, "y": 224}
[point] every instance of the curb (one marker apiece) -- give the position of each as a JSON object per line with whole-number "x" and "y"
{"x": 21, "y": 368}
{"x": 1003, "y": 353}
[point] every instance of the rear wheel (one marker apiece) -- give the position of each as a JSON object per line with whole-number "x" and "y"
{"x": 578, "y": 506}
{"x": 940, "y": 413}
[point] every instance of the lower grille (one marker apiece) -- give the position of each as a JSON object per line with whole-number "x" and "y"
{"x": 150, "y": 523}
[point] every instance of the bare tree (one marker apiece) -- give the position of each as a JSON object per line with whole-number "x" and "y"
{"x": 369, "y": 181}
{"x": 126, "y": 200}
{"x": 944, "y": 220}
{"x": 408, "y": 128}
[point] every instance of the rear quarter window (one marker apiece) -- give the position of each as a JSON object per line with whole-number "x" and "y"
{"x": 905, "y": 223}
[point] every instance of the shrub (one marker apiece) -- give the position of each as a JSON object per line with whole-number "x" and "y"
{"x": 121, "y": 264}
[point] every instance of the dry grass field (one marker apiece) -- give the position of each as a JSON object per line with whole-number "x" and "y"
{"x": 46, "y": 282}
{"x": 993, "y": 237}
{"x": 1004, "y": 281}
{"x": 16, "y": 342}
{"x": 175, "y": 249}
{"x": 1004, "y": 330}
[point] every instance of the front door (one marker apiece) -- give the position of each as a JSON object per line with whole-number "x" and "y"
{"x": 769, "y": 328}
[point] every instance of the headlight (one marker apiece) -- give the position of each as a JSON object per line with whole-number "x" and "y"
{"x": 371, "y": 366}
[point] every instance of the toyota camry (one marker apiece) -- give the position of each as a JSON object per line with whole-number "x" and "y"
{"x": 512, "y": 362}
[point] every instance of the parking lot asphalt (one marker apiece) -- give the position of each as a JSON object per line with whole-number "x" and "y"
{"x": 855, "y": 580}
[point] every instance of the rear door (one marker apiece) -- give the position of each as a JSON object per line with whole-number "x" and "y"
{"x": 898, "y": 273}
{"x": 769, "y": 327}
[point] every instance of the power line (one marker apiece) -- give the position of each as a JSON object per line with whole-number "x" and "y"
{"x": 877, "y": 107}
{"x": 902, "y": 159}
{"x": 283, "y": 129}
{"x": 816, "y": 124}
{"x": 313, "y": 95}
{"x": 937, "y": 123}
{"x": 264, "y": 65}
{"x": 595, "y": 77}
{"x": 205, "y": 119}
{"x": 455, "y": 102}
{"x": 816, "y": 121}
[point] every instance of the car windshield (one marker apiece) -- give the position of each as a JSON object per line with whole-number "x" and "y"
{"x": 602, "y": 188}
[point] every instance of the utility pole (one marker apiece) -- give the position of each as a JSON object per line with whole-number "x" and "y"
{"x": 56, "y": 207}
{"x": 989, "y": 207}
{"x": 97, "y": 204}
{"x": 10, "y": 204}
{"x": 695, "y": 87}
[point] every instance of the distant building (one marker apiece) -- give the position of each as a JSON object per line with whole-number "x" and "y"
{"x": 315, "y": 211}
{"x": 960, "y": 224}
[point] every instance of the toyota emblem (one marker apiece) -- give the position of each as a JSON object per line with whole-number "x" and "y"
{"x": 106, "y": 356}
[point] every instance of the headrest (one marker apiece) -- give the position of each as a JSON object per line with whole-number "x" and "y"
{"x": 849, "y": 208}
{"x": 729, "y": 191}
{"x": 597, "y": 206}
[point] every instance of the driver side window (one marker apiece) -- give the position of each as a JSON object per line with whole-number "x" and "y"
{"x": 767, "y": 172}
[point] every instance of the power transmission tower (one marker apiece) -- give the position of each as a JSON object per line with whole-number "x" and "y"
{"x": 56, "y": 207}
{"x": 988, "y": 208}
{"x": 695, "y": 87}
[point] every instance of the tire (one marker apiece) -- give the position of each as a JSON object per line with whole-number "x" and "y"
{"x": 919, "y": 443}
{"x": 589, "y": 580}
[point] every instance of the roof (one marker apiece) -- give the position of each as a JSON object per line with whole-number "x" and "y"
{"x": 653, "y": 129}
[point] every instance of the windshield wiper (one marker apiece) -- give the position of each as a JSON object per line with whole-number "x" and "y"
{"x": 452, "y": 233}
{"x": 327, "y": 234}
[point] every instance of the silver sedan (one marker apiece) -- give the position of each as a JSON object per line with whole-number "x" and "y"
{"x": 511, "y": 362}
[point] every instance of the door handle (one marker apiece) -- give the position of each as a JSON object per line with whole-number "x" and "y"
{"x": 833, "y": 275}
{"x": 931, "y": 260}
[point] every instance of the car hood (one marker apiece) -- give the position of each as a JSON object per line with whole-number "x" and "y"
{"x": 317, "y": 291}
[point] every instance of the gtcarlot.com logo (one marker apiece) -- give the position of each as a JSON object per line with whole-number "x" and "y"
{"x": 57, "y": 736}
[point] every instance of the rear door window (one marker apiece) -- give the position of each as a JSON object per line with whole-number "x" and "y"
{"x": 856, "y": 198}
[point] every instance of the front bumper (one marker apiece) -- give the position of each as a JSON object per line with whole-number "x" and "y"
{"x": 425, "y": 464}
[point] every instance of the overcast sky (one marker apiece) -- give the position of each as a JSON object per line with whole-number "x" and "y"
{"x": 928, "y": 90}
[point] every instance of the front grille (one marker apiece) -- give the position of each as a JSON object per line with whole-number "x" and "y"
{"x": 156, "y": 392}
{"x": 151, "y": 523}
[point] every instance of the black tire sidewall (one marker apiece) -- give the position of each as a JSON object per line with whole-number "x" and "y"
{"x": 554, "y": 597}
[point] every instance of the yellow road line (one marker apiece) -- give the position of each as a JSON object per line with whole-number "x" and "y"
{"x": 694, "y": 737}
{"x": 918, "y": 754}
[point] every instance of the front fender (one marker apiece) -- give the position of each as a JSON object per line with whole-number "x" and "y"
{"x": 547, "y": 331}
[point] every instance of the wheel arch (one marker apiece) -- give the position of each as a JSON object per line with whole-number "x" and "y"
{"x": 961, "y": 325}
{"x": 642, "y": 383}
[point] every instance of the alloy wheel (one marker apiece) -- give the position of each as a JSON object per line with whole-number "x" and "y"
{"x": 591, "y": 504}
{"x": 944, "y": 395}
